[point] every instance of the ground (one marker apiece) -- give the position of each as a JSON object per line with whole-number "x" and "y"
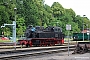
{"x": 59, "y": 56}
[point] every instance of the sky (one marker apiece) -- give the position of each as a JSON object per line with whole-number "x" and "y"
{"x": 81, "y": 7}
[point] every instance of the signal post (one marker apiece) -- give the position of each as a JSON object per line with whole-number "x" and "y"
{"x": 14, "y": 32}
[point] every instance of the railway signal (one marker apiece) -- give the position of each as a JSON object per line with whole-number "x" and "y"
{"x": 14, "y": 31}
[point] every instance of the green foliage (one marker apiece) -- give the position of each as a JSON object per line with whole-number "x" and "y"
{"x": 20, "y": 26}
{"x": 7, "y": 32}
{"x": 45, "y": 25}
{"x": 57, "y": 9}
{"x": 35, "y": 12}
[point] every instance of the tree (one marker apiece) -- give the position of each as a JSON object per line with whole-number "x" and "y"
{"x": 36, "y": 13}
{"x": 20, "y": 26}
{"x": 3, "y": 15}
{"x": 58, "y": 10}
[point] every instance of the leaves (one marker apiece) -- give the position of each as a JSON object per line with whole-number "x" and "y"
{"x": 36, "y": 13}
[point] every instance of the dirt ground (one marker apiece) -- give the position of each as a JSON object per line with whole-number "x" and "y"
{"x": 59, "y": 56}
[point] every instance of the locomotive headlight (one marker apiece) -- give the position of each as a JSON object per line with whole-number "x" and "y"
{"x": 74, "y": 37}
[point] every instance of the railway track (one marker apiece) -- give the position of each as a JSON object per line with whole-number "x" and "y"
{"x": 6, "y": 44}
{"x": 11, "y": 45}
{"x": 12, "y": 54}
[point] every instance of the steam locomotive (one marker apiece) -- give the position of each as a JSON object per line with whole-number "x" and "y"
{"x": 40, "y": 36}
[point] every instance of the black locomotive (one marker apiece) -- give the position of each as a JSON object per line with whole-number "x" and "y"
{"x": 42, "y": 36}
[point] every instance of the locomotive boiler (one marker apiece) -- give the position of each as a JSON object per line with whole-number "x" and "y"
{"x": 40, "y": 36}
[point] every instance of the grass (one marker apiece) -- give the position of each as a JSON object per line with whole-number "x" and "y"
{"x": 5, "y": 41}
{"x": 69, "y": 39}
{"x": 2, "y": 41}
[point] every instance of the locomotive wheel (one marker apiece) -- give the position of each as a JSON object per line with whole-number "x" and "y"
{"x": 27, "y": 45}
{"x": 22, "y": 44}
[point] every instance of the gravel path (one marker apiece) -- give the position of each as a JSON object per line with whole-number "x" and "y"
{"x": 59, "y": 56}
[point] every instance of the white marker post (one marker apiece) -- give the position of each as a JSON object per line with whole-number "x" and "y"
{"x": 88, "y": 32}
{"x": 68, "y": 27}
